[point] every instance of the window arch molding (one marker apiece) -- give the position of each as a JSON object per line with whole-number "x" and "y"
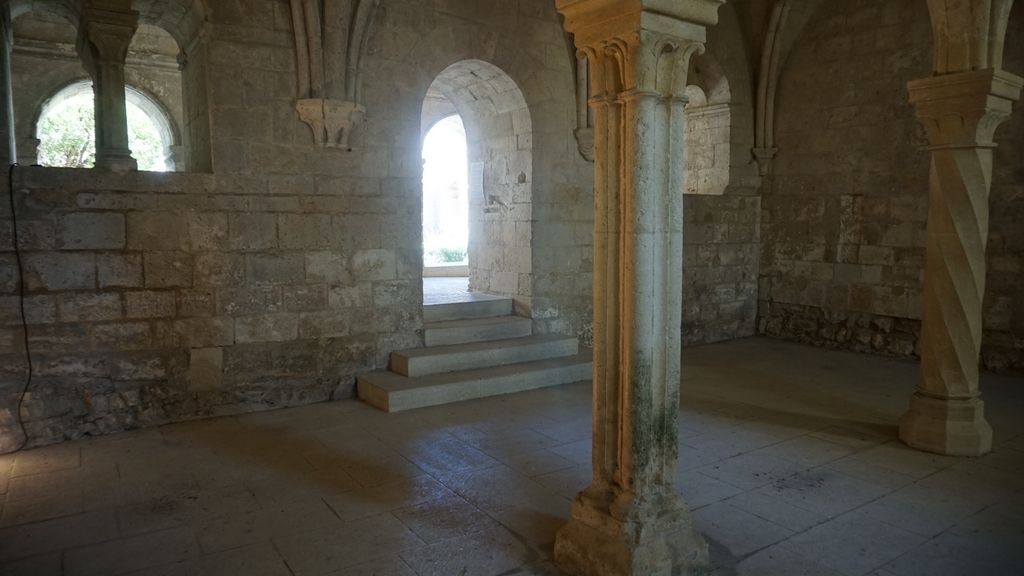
{"x": 157, "y": 112}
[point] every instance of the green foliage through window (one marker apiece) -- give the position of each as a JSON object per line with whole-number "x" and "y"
{"x": 67, "y": 136}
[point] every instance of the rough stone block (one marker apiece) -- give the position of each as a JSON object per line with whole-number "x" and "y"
{"x": 168, "y": 270}
{"x": 284, "y": 268}
{"x": 326, "y": 324}
{"x": 208, "y": 231}
{"x": 122, "y": 336}
{"x": 219, "y": 269}
{"x": 206, "y": 369}
{"x": 304, "y": 298}
{"x": 150, "y": 304}
{"x": 267, "y": 328}
{"x": 60, "y": 271}
{"x": 249, "y": 300}
{"x": 160, "y": 231}
{"x": 119, "y": 270}
{"x": 374, "y": 265}
{"x": 90, "y": 307}
{"x": 327, "y": 267}
{"x": 358, "y": 296}
{"x": 398, "y": 293}
{"x": 92, "y": 231}
{"x": 195, "y": 333}
{"x": 253, "y": 231}
{"x": 197, "y": 302}
{"x": 306, "y": 231}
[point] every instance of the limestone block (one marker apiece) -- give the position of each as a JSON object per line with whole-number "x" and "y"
{"x": 284, "y": 268}
{"x": 249, "y": 300}
{"x": 357, "y": 296}
{"x": 59, "y": 338}
{"x": 157, "y": 231}
{"x": 208, "y": 231}
{"x": 267, "y": 328}
{"x": 122, "y": 336}
{"x": 92, "y": 231}
{"x": 304, "y": 298}
{"x": 40, "y": 310}
{"x": 168, "y": 270}
{"x": 306, "y": 231}
{"x": 397, "y": 293}
{"x": 197, "y": 302}
{"x": 194, "y": 333}
{"x": 206, "y": 369}
{"x": 67, "y": 271}
{"x": 374, "y": 265}
{"x": 219, "y": 269}
{"x": 253, "y": 231}
{"x": 325, "y": 324}
{"x": 119, "y": 270}
{"x": 327, "y": 267}
{"x": 150, "y": 304}
{"x": 89, "y": 307}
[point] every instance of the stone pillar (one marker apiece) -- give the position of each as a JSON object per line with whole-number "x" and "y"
{"x": 961, "y": 112}
{"x": 9, "y": 150}
{"x": 630, "y": 520}
{"x": 104, "y": 37}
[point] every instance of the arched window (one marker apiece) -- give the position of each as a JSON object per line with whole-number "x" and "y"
{"x": 66, "y": 130}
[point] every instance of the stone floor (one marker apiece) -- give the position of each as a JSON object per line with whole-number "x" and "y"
{"x": 449, "y": 290}
{"x": 788, "y": 458}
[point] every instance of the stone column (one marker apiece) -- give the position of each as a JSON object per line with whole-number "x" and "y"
{"x": 961, "y": 112}
{"x": 9, "y": 151}
{"x": 630, "y": 520}
{"x": 103, "y": 43}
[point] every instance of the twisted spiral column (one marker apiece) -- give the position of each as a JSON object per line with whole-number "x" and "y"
{"x": 961, "y": 113}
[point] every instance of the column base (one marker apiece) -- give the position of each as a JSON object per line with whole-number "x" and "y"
{"x": 947, "y": 426}
{"x": 614, "y": 534}
{"x": 116, "y": 162}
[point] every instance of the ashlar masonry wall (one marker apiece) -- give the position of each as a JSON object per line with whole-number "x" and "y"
{"x": 845, "y": 213}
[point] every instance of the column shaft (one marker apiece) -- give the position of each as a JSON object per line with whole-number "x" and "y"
{"x": 631, "y": 520}
{"x": 961, "y": 112}
{"x": 103, "y": 46}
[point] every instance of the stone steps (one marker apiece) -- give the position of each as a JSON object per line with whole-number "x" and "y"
{"x": 485, "y": 307}
{"x": 476, "y": 330}
{"x": 392, "y": 392}
{"x": 442, "y": 359}
{"x": 474, "y": 350}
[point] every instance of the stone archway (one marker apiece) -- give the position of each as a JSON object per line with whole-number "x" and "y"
{"x": 499, "y": 131}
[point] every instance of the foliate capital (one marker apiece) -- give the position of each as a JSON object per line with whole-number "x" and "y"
{"x": 106, "y": 34}
{"x": 965, "y": 108}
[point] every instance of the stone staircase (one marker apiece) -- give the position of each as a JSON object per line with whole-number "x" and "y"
{"x": 474, "y": 350}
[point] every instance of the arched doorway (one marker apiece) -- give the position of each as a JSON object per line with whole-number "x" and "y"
{"x": 499, "y": 174}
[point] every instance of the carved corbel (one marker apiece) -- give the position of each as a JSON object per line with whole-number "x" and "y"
{"x": 330, "y": 35}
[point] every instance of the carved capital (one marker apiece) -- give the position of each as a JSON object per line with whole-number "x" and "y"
{"x": 964, "y": 109}
{"x": 106, "y": 34}
{"x": 330, "y": 120}
{"x": 592, "y": 21}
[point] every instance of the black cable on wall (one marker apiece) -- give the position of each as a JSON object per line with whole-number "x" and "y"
{"x": 21, "y": 307}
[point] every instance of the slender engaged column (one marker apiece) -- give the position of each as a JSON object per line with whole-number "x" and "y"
{"x": 630, "y": 520}
{"x": 961, "y": 112}
{"x": 9, "y": 154}
{"x": 103, "y": 45}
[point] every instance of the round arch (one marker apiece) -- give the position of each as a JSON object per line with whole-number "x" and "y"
{"x": 499, "y": 133}
{"x": 170, "y": 135}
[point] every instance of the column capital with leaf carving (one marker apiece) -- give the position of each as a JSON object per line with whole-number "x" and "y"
{"x": 965, "y": 108}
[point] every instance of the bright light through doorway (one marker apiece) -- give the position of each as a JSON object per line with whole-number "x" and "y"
{"x": 446, "y": 194}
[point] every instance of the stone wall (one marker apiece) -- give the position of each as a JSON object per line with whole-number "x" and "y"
{"x": 289, "y": 268}
{"x": 721, "y": 245}
{"x": 154, "y": 298}
{"x": 845, "y": 212}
